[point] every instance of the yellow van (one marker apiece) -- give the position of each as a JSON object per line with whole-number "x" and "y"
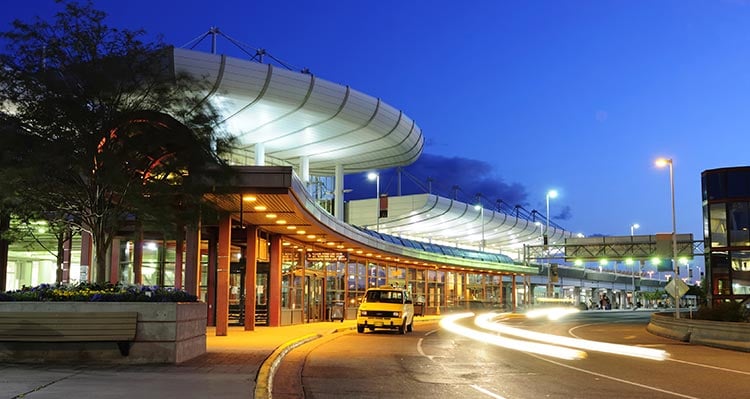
{"x": 386, "y": 307}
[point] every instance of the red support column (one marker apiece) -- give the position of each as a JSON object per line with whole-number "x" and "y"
{"x": 251, "y": 271}
{"x": 193, "y": 259}
{"x": 513, "y": 291}
{"x": 87, "y": 255}
{"x": 211, "y": 279}
{"x": 222, "y": 275}
{"x": 274, "y": 282}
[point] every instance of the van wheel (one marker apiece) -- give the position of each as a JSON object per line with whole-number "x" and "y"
{"x": 410, "y": 327}
{"x": 402, "y": 328}
{"x": 360, "y": 328}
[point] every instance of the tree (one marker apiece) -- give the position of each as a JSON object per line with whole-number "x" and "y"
{"x": 105, "y": 123}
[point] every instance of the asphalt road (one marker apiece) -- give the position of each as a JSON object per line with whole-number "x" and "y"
{"x": 434, "y": 363}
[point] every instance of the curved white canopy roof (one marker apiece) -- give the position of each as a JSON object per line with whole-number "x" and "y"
{"x": 431, "y": 218}
{"x": 297, "y": 115}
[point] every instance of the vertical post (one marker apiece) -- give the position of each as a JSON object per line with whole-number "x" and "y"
{"x": 193, "y": 258}
{"x": 675, "y": 266}
{"x": 222, "y": 275}
{"x": 274, "y": 282}
{"x": 376, "y": 177}
{"x": 662, "y": 162}
{"x": 251, "y": 271}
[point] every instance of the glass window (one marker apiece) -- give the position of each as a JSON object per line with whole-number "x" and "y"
{"x": 741, "y": 261}
{"x": 375, "y": 275}
{"x": 718, "y": 222}
{"x": 397, "y": 276}
{"x": 719, "y": 261}
{"x": 738, "y": 183}
{"x": 739, "y": 224}
{"x": 713, "y": 186}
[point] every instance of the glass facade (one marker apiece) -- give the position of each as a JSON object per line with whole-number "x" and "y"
{"x": 726, "y": 218}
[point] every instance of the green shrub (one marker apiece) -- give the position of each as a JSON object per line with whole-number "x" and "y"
{"x": 92, "y": 292}
{"x": 723, "y": 311}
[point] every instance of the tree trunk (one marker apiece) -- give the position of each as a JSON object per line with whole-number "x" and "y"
{"x": 100, "y": 248}
{"x": 4, "y": 246}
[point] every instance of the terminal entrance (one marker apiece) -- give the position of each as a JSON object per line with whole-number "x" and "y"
{"x": 314, "y": 298}
{"x": 238, "y": 293}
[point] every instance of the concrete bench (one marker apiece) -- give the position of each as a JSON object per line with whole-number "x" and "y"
{"x": 119, "y": 327}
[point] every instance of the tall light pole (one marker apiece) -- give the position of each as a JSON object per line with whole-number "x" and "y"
{"x": 550, "y": 194}
{"x": 662, "y": 162}
{"x": 376, "y": 177}
{"x": 633, "y": 227}
{"x": 479, "y": 207}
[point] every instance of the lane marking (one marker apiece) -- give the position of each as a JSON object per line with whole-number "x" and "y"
{"x": 615, "y": 378}
{"x": 486, "y": 392}
{"x": 419, "y": 344}
{"x": 708, "y": 366}
{"x": 476, "y": 387}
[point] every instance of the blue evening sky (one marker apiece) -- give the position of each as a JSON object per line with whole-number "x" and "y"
{"x": 517, "y": 97}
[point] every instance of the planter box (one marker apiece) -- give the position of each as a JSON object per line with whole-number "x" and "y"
{"x": 166, "y": 332}
{"x": 719, "y": 334}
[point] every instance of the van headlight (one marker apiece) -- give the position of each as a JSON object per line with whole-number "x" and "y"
{"x": 396, "y": 314}
{"x": 363, "y": 313}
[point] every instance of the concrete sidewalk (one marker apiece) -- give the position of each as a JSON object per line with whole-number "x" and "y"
{"x": 228, "y": 369}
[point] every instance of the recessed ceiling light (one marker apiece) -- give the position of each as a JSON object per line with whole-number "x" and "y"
{"x": 260, "y": 208}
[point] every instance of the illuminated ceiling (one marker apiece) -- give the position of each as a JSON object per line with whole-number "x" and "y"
{"x": 295, "y": 115}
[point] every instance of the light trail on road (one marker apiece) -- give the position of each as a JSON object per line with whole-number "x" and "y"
{"x": 449, "y": 323}
{"x": 485, "y": 321}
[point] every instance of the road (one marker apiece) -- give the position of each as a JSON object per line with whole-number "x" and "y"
{"x": 433, "y": 362}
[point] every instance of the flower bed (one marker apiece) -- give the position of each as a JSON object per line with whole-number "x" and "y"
{"x": 92, "y": 292}
{"x": 171, "y": 324}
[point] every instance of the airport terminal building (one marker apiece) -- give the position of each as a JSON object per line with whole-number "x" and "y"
{"x": 281, "y": 250}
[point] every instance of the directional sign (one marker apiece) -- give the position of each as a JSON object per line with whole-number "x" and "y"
{"x": 676, "y": 288}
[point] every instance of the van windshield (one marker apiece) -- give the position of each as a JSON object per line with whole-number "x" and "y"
{"x": 385, "y": 296}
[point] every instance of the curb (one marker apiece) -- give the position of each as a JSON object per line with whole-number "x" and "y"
{"x": 264, "y": 379}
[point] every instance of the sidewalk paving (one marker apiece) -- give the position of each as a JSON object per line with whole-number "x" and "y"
{"x": 227, "y": 370}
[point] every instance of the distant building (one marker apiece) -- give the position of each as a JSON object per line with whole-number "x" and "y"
{"x": 726, "y": 220}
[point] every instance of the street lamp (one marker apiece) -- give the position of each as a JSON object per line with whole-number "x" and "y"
{"x": 374, "y": 176}
{"x": 550, "y": 194}
{"x": 662, "y": 162}
{"x": 633, "y": 227}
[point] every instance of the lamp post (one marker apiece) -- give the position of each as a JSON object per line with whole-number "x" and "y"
{"x": 376, "y": 177}
{"x": 550, "y": 194}
{"x": 480, "y": 208}
{"x": 633, "y": 227}
{"x": 662, "y": 162}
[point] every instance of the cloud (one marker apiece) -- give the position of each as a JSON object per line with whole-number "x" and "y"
{"x": 564, "y": 214}
{"x": 444, "y": 176}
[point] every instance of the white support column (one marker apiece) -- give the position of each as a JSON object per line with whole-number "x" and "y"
{"x": 338, "y": 195}
{"x": 260, "y": 154}
{"x": 304, "y": 169}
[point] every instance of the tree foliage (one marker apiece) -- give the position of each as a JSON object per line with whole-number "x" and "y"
{"x": 96, "y": 125}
